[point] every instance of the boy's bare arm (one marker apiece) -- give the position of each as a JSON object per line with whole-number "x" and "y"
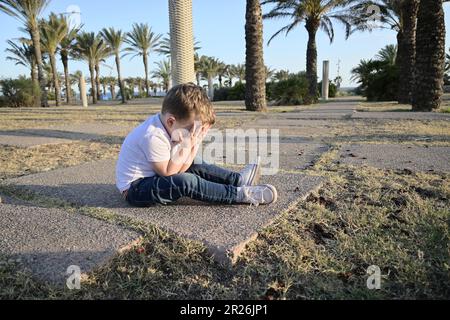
{"x": 203, "y": 131}
{"x": 184, "y": 155}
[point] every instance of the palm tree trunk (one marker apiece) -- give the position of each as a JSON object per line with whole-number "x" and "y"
{"x": 147, "y": 90}
{"x": 113, "y": 91}
{"x": 65, "y": 62}
{"x": 255, "y": 89}
{"x": 119, "y": 78}
{"x": 97, "y": 81}
{"x": 311, "y": 61}
{"x": 36, "y": 38}
{"x": 210, "y": 88}
{"x": 55, "y": 79}
{"x": 430, "y": 56}
{"x": 93, "y": 89}
{"x": 181, "y": 41}
{"x": 198, "y": 76}
{"x": 406, "y": 54}
{"x": 34, "y": 79}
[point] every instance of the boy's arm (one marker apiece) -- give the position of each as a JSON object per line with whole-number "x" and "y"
{"x": 203, "y": 131}
{"x": 183, "y": 156}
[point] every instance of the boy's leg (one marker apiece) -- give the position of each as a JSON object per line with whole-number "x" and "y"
{"x": 215, "y": 173}
{"x": 165, "y": 190}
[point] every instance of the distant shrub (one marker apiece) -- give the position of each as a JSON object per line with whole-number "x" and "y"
{"x": 292, "y": 91}
{"x": 332, "y": 89}
{"x": 17, "y": 93}
{"x": 235, "y": 93}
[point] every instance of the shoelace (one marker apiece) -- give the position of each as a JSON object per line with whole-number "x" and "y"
{"x": 253, "y": 201}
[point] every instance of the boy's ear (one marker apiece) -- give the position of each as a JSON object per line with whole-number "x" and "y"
{"x": 171, "y": 121}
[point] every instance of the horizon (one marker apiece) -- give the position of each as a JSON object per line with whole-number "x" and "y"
{"x": 226, "y": 42}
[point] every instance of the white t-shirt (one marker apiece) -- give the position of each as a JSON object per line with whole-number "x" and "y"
{"x": 149, "y": 142}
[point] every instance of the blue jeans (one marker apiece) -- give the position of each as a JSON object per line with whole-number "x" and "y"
{"x": 204, "y": 182}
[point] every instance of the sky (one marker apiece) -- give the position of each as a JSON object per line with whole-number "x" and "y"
{"x": 219, "y": 26}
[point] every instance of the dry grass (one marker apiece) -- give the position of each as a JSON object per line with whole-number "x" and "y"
{"x": 320, "y": 249}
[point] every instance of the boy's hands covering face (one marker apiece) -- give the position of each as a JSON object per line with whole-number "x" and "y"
{"x": 189, "y": 139}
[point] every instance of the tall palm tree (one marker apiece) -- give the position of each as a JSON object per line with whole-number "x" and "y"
{"x": 400, "y": 16}
{"x": 23, "y": 55}
{"x": 316, "y": 14}
{"x": 28, "y": 12}
{"x": 87, "y": 47}
{"x": 163, "y": 72}
{"x": 101, "y": 53}
{"x": 255, "y": 78}
{"x": 430, "y": 56}
{"x": 210, "y": 70}
{"x": 115, "y": 39}
{"x": 142, "y": 41}
{"x": 66, "y": 48}
{"x": 53, "y": 31}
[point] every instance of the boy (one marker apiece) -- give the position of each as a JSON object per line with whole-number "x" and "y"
{"x": 156, "y": 161}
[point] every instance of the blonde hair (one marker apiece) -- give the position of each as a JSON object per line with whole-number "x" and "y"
{"x": 184, "y": 100}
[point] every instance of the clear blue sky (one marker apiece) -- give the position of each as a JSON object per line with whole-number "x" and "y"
{"x": 219, "y": 26}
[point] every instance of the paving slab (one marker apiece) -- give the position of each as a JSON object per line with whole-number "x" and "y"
{"x": 225, "y": 230}
{"x": 20, "y": 139}
{"x": 46, "y": 241}
{"x": 402, "y": 115}
{"x": 398, "y": 156}
{"x": 275, "y": 155}
{"x": 58, "y": 134}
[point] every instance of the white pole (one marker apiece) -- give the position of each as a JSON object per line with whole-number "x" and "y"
{"x": 83, "y": 94}
{"x": 326, "y": 80}
{"x": 181, "y": 41}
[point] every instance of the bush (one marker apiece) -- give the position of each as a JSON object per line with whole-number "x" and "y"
{"x": 237, "y": 92}
{"x": 18, "y": 93}
{"x": 292, "y": 91}
{"x": 382, "y": 85}
{"x": 332, "y": 89}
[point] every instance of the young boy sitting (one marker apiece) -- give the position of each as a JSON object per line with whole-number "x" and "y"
{"x": 156, "y": 162}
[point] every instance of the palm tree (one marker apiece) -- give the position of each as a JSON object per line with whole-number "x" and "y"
{"x": 101, "y": 53}
{"x": 163, "y": 72}
{"x": 142, "y": 41}
{"x": 239, "y": 71}
{"x": 87, "y": 48}
{"x": 255, "y": 78}
{"x": 165, "y": 44}
{"x": 270, "y": 73}
{"x": 75, "y": 77}
{"x": 281, "y": 75}
{"x": 28, "y": 12}
{"x": 115, "y": 39}
{"x": 315, "y": 14}
{"x": 66, "y": 47}
{"x": 388, "y": 54}
{"x": 401, "y": 16}
{"x": 430, "y": 56}
{"x": 223, "y": 70}
{"x": 53, "y": 31}
{"x": 23, "y": 55}
{"x": 210, "y": 68}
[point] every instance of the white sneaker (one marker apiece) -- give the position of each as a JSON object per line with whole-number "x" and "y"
{"x": 251, "y": 174}
{"x": 256, "y": 195}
